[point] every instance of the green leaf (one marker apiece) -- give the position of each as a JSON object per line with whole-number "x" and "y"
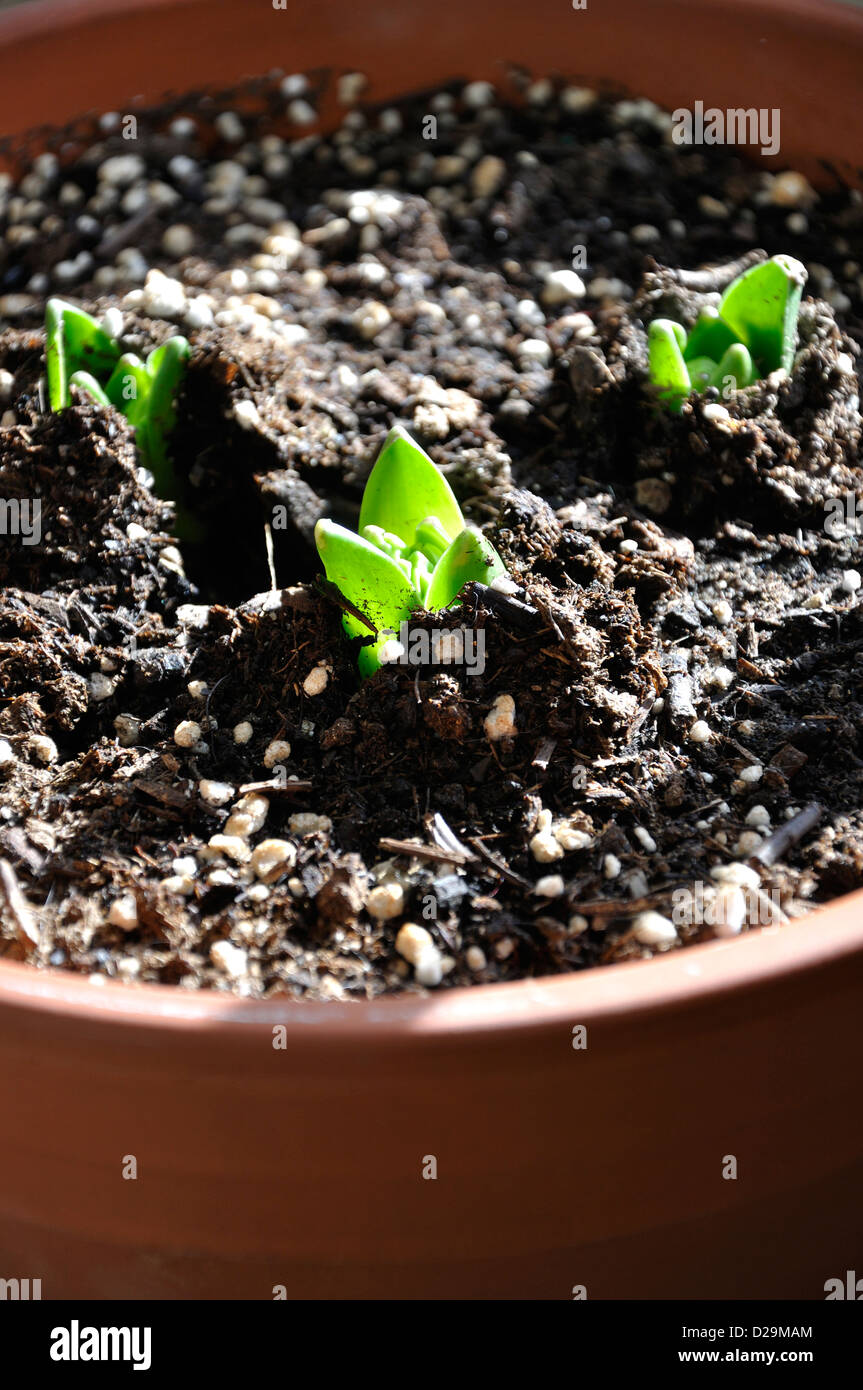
{"x": 369, "y": 579}
{"x": 166, "y": 367}
{"x": 469, "y": 557}
{"x": 700, "y": 371}
{"x": 678, "y": 330}
{"x": 431, "y": 539}
{"x": 736, "y": 366}
{"x": 761, "y": 306}
{"x": 73, "y": 342}
{"x": 405, "y": 488}
{"x": 128, "y": 388}
{"x": 708, "y": 337}
{"x": 668, "y": 371}
{"x": 83, "y": 381}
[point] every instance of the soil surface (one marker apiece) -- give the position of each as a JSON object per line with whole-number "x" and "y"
{"x": 195, "y": 788}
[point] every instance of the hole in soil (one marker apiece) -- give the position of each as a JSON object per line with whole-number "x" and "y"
{"x": 220, "y": 465}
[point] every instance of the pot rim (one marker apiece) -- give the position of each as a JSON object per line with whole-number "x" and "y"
{"x": 46, "y": 16}
{"x": 682, "y": 978}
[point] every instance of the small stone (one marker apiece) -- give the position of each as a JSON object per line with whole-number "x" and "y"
{"x": 128, "y": 730}
{"x": 550, "y": 886}
{"x": 7, "y": 756}
{"x": 570, "y": 838}
{"x": 248, "y": 815}
{"x": 123, "y": 912}
{"x": 712, "y": 207}
{"x": 431, "y": 421}
{"x": 475, "y": 959}
{"x": 301, "y": 113}
{"x": 316, "y": 681}
{"x": 163, "y": 297}
{"x": 112, "y": 322}
{"x": 243, "y": 731}
{"x": 652, "y": 929}
{"x": 272, "y": 858}
{"x": 171, "y": 558}
{"x": 233, "y": 960}
{"x": 370, "y": 319}
{"x": 577, "y": 924}
{"x": 740, "y": 874}
{"x": 198, "y": 313}
{"x": 309, "y": 823}
{"x": 181, "y": 884}
{"x": 101, "y": 687}
{"x": 791, "y": 190}
{"x": 561, "y": 287}
{"x": 178, "y": 240}
{"x": 478, "y": 94}
{"x": 611, "y": 866}
{"x": 187, "y": 734}
{"x": 752, "y": 774}
{"x": 723, "y": 612}
{"x": 231, "y": 845}
{"x": 851, "y": 581}
{"x": 246, "y": 415}
{"x": 759, "y": 816}
{"x": 700, "y": 732}
{"x": 277, "y": 752}
{"x": 645, "y": 838}
{"x": 575, "y": 100}
{"x": 230, "y": 127}
{"x": 499, "y": 723}
{"x": 644, "y": 233}
{"x": 545, "y": 847}
{"x": 748, "y": 842}
{"x": 193, "y": 615}
{"x": 215, "y": 793}
{"x": 350, "y": 86}
{"x": 385, "y": 901}
{"x": 532, "y": 350}
{"x": 122, "y": 169}
{"x": 487, "y": 176}
{"x": 416, "y": 946}
{"x": 45, "y": 748}
{"x": 528, "y": 312}
{"x": 728, "y": 910}
{"x": 721, "y": 677}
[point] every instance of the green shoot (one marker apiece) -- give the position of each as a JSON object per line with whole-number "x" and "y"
{"x": 668, "y": 371}
{"x": 73, "y": 342}
{"x": 413, "y": 551}
{"x": 79, "y": 353}
{"x": 761, "y": 307}
{"x": 752, "y": 333}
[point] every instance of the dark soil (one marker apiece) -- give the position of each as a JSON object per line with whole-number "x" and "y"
{"x": 672, "y": 569}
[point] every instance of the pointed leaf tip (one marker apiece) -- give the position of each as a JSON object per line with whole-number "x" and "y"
{"x": 404, "y": 488}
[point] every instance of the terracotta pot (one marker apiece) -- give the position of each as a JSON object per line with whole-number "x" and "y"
{"x": 556, "y": 1167}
